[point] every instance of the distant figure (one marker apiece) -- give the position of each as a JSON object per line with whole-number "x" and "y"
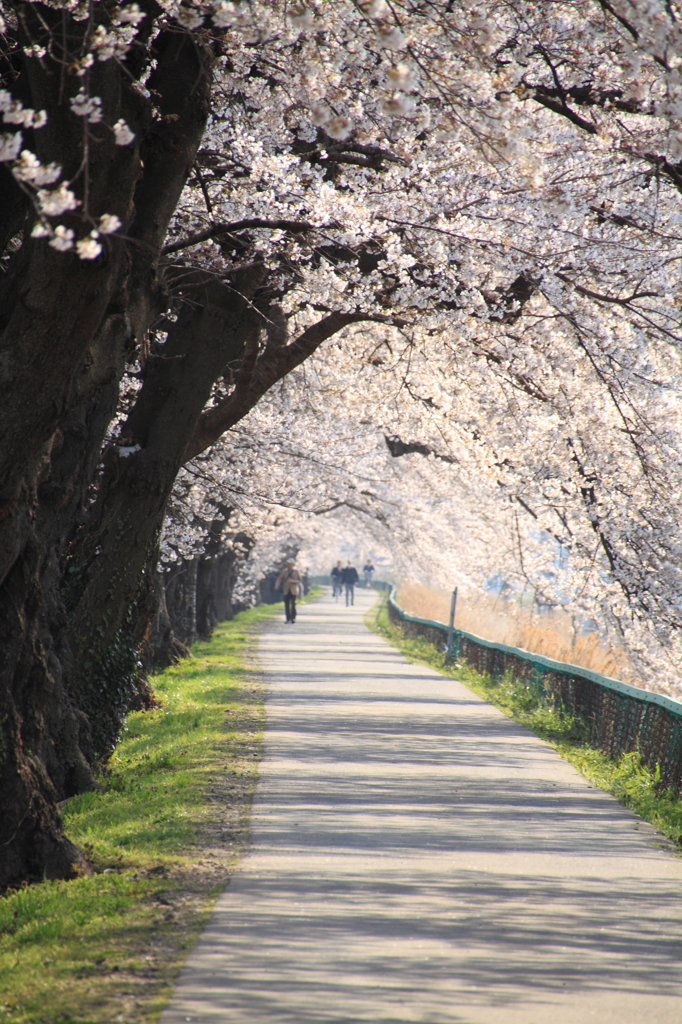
{"x": 349, "y": 577}
{"x": 369, "y": 573}
{"x": 336, "y": 574}
{"x": 290, "y": 582}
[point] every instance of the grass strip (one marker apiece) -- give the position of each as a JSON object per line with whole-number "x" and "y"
{"x": 164, "y": 832}
{"x": 628, "y": 779}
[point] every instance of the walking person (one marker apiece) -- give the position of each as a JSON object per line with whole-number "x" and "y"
{"x": 369, "y": 573}
{"x": 349, "y": 577}
{"x": 336, "y": 574}
{"x": 291, "y": 584}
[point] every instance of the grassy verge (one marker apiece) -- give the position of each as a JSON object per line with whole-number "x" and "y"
{"x": 627, "y": 778}
{"x": 164, "y": 834}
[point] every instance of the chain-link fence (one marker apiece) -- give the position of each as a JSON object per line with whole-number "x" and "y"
{"x": 619, "y": 718}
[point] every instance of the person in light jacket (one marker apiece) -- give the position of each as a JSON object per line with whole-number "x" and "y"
{"x": 291, "y": 584}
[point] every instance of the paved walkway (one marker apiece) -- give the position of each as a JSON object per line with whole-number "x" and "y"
{"x": 417, "y": 856}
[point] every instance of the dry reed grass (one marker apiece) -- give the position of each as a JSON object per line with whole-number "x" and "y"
{"x": 509, "y": 622}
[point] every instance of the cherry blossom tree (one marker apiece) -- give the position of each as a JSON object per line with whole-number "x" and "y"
{"x": 200, "y": 198}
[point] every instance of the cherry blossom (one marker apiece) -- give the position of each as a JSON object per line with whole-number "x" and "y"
{"x": 499, "y": 183}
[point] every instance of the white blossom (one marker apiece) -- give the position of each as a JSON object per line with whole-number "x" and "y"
{"x": 128, "y": 15}
{"x": 108, "y": 223}
{"x": 89, "y": 248}
{"x": 392, "y": 38}
{"x": 122, "y": 133}
{"x": 339, "y": 127}
{"x": 191, "y": 19}
{"x": 29, "y": 168}
{"x": 89, "y": 107}
{"x": 81, "y": 66}
{"x": 301, "y": 17}
{"x": 675, "y": 147}
{"x": 58, "y": 201}
{"x": 320, "y": 115}
{"x": 10, "y": 144}
{"x": 13, "y": 112}
{"x": 400, "y": 76}
{"x": 398, "y": 105}
{"x": 62, "y": 238}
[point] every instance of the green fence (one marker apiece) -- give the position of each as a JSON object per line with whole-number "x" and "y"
{"x": 619, "y": 718}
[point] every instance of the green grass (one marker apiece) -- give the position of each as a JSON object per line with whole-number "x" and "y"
{"x": 627, "y": 778}
{"x": 163, "y": 834}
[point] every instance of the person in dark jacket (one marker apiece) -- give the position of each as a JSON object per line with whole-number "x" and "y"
{"x": 336, "y": 575}
{"x": 349, "y": 577}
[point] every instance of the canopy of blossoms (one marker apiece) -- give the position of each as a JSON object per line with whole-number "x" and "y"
{"x": 493, "y": 191}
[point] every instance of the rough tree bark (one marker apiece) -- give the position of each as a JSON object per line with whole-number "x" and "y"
{"x": 77, "y": 576}
{"x": 60, "y": 364}
{"x": 113, "y": 561}
{"x": 162, "y": 647}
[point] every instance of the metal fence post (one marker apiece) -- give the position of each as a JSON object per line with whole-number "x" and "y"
{"x": 451, "y": 627}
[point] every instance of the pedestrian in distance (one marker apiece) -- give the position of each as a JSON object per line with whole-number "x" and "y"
{"x": 369, "y": 573}
{"x": 336, "y": 579}
{"x": 291, "y": 584}
{"x": 349, "y": 577}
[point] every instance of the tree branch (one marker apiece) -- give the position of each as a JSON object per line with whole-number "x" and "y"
{"x": 373, "y": 514}
{"x": 665, "y": 167}
{"x": 619, "y": 17}
{"x": 587, "y": 96}
{"x": 271, "y": 367}
{"x": 565, "y": 111}
{"x": 600, "y": 297}
{"x": 215, "y": 230}
{"x": 398, "y": 447}
{"x": 629, "y": 27}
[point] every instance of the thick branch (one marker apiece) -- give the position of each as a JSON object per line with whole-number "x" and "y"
{"x": 216, "y": 230}
{"x": 562, "y": 108}
{"x": 272, "y": 366}
{"x": 588, "y": 96}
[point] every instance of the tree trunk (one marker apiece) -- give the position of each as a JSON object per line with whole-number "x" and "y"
{"x": 216, "y": 579}
{"x": 110, "y": 594}
{"x": 57, "y": 387}
{"x": 181, "y": 599}
{"x": 162, "y": 648}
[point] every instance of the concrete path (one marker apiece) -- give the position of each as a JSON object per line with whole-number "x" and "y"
{"x": 417, "y": 856}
